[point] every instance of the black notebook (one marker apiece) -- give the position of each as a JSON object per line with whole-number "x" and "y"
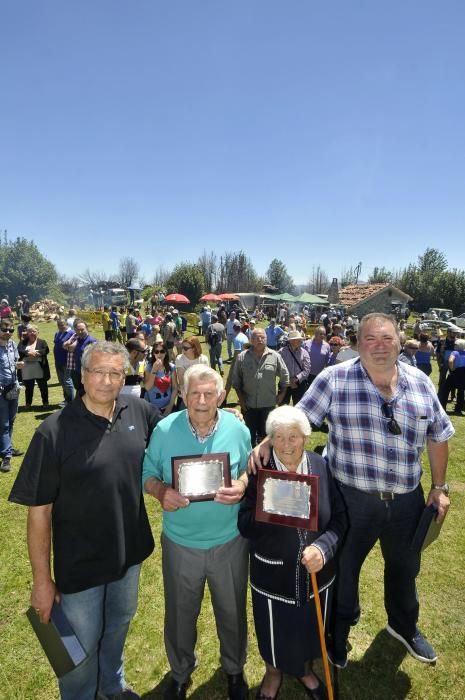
{"x": 428, "y": 529}
{"x": 58, "y": 640}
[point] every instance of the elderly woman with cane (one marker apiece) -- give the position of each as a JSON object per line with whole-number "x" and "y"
{"x": 284, "y": 562}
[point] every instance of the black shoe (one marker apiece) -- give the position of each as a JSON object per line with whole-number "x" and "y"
{"x": 318, "y": 693}
{"x": 5, "y": 466}
{"x": 16, "y": 453}
{"x": 237, "y": 687}
{"x": 262, "y": 696}
{"x": 417, "y": 646}
{"x": 175, "y": 691}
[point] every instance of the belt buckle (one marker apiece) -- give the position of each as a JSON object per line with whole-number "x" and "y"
{"x": 386, "y": 495}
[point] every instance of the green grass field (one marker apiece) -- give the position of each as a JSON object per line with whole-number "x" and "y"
{"x": 379, "y": 668}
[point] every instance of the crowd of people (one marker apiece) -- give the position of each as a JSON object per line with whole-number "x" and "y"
{"x": 147, "y": 396}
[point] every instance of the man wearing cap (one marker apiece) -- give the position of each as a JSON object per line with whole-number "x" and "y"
{"x": 297, "y": 361}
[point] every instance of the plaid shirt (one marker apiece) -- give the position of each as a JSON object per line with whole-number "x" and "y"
{"x": 361, "y": 451}
{"x": 71, "y": 360}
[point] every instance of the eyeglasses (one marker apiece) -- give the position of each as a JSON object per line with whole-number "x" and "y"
{"x": 159, "y": 352}
{"x": 393, "y": 425}
{"x": 114, "y": 375}
{"x": 334, "y": 345}
{"x": 7, "y": 330}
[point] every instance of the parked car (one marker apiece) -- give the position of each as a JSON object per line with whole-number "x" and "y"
{"x": 458, "y": 320}
{"x": 438, "y": 313}
{"x": 431, "y": 327}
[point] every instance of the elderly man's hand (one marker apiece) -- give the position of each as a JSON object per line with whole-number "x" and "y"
{"x": 235, "y": 413}
{"x": 172, "y": 500}
{"x": 229, "y": 495}
{"x": 312, "y": 559}
{"x": 260, "y": 456}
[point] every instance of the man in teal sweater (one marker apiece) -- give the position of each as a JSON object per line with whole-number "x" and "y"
{"x": 200, "y": 540}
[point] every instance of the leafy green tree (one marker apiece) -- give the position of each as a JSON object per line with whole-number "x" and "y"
{"x": 380, "y": 275}
{"x": 278, "y": 276}
{"x": 450, "y": 290}
{"x": 24, "y": 270}
{"x": 423, "y": 280}
{"x": 187, "y": 279}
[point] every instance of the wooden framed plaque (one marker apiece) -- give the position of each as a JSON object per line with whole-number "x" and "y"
{"x": 198, "y": 477}
{"x": 285, "y": 498}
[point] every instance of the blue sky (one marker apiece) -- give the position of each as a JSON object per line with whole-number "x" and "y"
{"x": 319, "y": 132}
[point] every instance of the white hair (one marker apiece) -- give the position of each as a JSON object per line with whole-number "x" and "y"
{"x": 286, "y": 417}
{"x": 460, "y": 343}
{"x": 199, "y": 372}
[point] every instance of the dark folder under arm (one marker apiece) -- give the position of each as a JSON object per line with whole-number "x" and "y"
{"x": 58, "y": 640}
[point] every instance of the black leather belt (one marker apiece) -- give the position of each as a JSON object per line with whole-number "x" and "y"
{"x": 384, "y": 495}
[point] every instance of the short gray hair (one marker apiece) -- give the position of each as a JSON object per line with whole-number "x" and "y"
{"x": 286, "y": 417}
{"x": 200, "y": 372}
{"x": 460, "y": 343}
{"x": 31, "y": 327}
{"x": 104, "y": 347}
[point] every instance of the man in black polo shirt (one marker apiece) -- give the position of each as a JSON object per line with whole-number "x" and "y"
{"x": 81, "y": 480}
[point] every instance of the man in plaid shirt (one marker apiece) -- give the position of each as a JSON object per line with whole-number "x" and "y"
{"x": 381, "y": 415}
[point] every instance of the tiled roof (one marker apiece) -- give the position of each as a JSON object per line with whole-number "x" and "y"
{"x": 355, "y": 293}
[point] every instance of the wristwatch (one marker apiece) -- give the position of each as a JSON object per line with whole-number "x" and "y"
{"x": 440, "y": 487}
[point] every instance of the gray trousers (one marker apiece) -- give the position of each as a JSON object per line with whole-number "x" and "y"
{"x": 185, "y": 570}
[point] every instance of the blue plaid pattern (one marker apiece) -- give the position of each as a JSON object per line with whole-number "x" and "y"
{"x": 361, "y": 451}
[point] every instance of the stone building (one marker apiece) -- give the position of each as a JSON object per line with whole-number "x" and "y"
{"x": 362, "y": 299}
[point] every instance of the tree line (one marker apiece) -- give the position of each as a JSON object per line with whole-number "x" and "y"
{"x": 25, "y": 270}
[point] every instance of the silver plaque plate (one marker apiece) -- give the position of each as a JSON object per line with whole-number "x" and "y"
{"x": 287, "y": 497}
{"x": 200, "y": 478}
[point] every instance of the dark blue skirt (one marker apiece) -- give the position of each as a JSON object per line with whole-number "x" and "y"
{"x": 287, "y": 635}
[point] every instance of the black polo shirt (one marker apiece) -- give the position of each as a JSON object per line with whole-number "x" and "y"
{"x": 90, "y": 470}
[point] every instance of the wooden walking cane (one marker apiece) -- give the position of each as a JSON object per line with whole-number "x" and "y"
{"x": 321, "y": 631}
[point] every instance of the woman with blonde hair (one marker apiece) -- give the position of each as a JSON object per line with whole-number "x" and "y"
{"x": 191, "y": 355}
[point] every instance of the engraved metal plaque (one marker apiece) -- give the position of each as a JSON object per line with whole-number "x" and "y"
{"x": 285, "y": 498}
{"x": 198, "y": 477}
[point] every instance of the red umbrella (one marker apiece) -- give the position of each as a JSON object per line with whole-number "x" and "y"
{"x": 177, "y": 298}
{"x": 210, "y": 297}
{"x": 229, "y": 297}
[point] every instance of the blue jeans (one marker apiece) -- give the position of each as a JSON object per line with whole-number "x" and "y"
{"x": 64, "y": 377}
{"x": 100, "y": 617}
{"x": 8, "y": 411}
{"x": 229, "y": 342}
{"x": 215, "y": 356}
{"x": 393, "y": 523}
